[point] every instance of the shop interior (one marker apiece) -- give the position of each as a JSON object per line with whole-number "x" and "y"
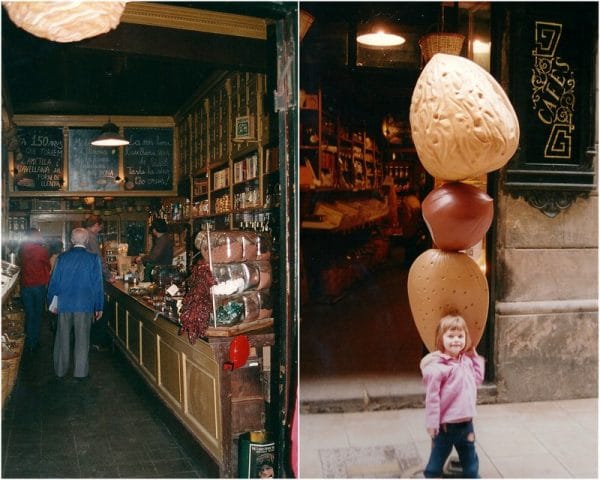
{"x": 361, "y": 189}
{"x": 191, "y": 86}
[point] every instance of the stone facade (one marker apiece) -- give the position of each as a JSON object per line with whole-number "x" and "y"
{"x": 546, "y": 311}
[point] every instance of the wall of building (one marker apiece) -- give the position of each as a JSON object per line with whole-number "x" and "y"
{"x": 546, "y": 321}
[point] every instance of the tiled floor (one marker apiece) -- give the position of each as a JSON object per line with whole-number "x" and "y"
{"x": 523, "y": 440}
{"x": 110, "y": 426}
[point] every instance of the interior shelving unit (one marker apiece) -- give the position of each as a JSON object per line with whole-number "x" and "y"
{"x": 227, "y": 163}
{"x": 338, "y": 153}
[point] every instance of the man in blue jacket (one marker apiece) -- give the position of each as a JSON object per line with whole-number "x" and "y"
{"x": 76, "y": 282}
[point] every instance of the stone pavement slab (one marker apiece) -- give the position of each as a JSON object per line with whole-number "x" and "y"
{"x": 555, "y": 439}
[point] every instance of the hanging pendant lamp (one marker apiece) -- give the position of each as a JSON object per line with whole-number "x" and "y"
{"x": 110, "y": 136}
{"x": 380, "y": 33}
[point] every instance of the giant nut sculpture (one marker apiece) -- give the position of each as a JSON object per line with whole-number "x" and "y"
{"x": 65, "y": 21}
{"x": 463, "y": 126}
{"x": 457, "y": 215}
{"x": 440, "y": 283}
{"x": 462, "y": 123}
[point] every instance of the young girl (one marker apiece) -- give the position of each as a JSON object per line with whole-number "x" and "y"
{"x": 451, "y": 375}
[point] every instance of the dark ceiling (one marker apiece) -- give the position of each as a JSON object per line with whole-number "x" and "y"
{"x": 329, "y": 53}
{"x": 132, "y": 70}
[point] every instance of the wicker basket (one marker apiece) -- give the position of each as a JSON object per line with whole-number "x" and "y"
{"x": 13, "y": 323}
{"x": 441, "y": 42}
{"x": 10, "y": 366}
{"x": 12, "y": 350}
{"x": 6, "y": 382}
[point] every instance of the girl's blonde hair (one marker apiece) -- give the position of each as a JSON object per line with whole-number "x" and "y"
{"x": 452, "y": 321}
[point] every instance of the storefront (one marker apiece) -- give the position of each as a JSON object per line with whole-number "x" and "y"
{"x": 206, "y": 99}
{"x": 361, "y": 181}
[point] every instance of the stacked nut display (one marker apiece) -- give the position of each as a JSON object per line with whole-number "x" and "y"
{"x": 240, "y": 264}
{"x": 463, "y": 126}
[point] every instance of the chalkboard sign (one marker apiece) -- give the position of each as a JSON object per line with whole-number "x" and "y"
{"x": 91, "y": 168}
{"x": 39, "y": 160}
{"x": 148, "y": 159}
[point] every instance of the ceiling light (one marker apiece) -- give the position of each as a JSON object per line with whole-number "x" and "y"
{"x": 379, "y": 35}
{"x": 110, "y": 137}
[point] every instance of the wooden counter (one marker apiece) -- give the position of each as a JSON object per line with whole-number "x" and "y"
{"x": 214, "y": 404}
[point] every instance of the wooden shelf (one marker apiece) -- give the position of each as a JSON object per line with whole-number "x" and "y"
{"x": 340, "y": 157}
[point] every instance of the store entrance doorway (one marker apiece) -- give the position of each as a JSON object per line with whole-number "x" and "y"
{"x": 362, "y": 346}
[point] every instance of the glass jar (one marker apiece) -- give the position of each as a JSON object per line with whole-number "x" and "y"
{"x": 234, "y": 309}
{"x": 263, "y": 246}
{"x": 225, "y": 246}
{"x": 235, "y": 277}
{"x": 165, "y": 275}
{"x": 229, "y": 310}
{"x": 249, "y": 245}
{"x": 264, "y": 274}
{"x": 251, "y": 306}
{"x": 265, "y": 304}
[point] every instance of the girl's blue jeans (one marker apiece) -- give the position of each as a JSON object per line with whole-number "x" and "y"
{"x": 462, "y": 437}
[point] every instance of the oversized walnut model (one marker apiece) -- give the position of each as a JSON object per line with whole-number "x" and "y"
{"x": 462, "y": 123}
{"x": 65, "y": 21}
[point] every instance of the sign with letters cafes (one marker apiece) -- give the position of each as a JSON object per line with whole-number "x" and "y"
{"x": 551, "y": 69}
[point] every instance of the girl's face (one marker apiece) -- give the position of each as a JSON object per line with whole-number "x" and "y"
{"x": 454, "y": 342}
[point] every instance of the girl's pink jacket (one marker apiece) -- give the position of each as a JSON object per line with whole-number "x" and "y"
{"x": 451, "y": 387}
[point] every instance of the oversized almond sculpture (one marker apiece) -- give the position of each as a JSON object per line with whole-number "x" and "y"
{"x": 440, "y": 283}
{"x": 463, "y": 124}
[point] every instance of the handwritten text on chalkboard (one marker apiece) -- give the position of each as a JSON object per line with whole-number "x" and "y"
{"x": 148, "y": 159}
{"x": 91, "y": 168}
{"x": 39, "y": 160}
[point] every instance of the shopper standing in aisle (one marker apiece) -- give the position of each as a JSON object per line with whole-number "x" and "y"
{"x": 451, "y": 375}
{"x": 100, "y": 338}
{"x": 162, "y": 250}
{"x": 35, "y": 273}
{"x": 76, "y": 282}
{"x": 94, "y": 224}
{"x": 55, "y": 248}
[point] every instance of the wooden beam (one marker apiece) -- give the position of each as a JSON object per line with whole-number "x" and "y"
{"x": 220, "y": 51}
{"x": 152, "y": 14}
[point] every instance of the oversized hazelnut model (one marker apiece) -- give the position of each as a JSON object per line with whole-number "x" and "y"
{"x": 462, "y": 123}
{"x": 442, "y": 282}
{"x": 457, "y": 215}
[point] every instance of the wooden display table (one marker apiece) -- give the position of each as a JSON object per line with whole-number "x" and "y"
{"x": 214, "y": 404}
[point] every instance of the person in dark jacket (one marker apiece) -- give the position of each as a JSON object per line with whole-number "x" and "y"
{"x": 100, "y": 338}
{"x": 76, "y": 282}
{"x": 35, "y": 273}
{"x": 94, "y": 224}
{"x": 162, "y": 250}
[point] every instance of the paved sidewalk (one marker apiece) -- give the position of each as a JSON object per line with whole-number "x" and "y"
{"x": 557, "y": 439}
